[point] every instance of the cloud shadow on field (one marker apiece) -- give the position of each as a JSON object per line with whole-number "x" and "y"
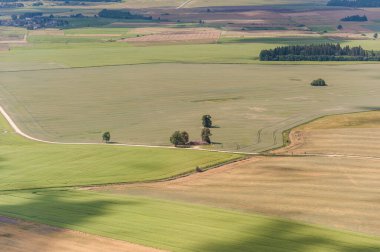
{"x": 66, "y": 211}
{"x": 286, "y": 236}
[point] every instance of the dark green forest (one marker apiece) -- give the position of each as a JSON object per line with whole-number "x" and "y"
{"x": 354, "y": 3}
{"x": 322, "y": 52}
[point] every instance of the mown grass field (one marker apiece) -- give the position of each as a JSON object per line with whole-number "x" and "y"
{"x": 249, "y": 104}
{"x": 176, "y": 226}
{"x": 27, "y": 164}
{"x": 117, "y": 53}
{"x": 64, "y": 51}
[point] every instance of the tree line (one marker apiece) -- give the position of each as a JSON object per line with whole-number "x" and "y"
{"x": 355, "y": 18}
{"x": 354, "y": 3}
{"x": 321, "y": 52}
{"x": 120, "y": 14}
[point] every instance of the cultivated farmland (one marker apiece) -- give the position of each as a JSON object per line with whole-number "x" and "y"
{"x": 28, "y": 164}
{"x": 175, "y": 226}
{"x": 249, "y": 104}
{"x": 337, "y": 190}
{"x": 70, "y": 73}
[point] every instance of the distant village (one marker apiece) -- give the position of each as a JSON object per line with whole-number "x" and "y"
{"x": 33, "y": 21}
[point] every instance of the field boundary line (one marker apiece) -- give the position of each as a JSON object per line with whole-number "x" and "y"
{"x": 287, "y": 63}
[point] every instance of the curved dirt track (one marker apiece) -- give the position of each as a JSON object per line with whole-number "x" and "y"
{"x": 20, "y": 132}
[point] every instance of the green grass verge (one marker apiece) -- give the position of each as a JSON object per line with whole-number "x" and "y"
{"x": 28, "y": 164}
{"x": 176, "y": 226}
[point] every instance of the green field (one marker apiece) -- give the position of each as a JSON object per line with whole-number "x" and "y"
{"x": 52, "y": 51}
{"x": 28, "y": 164}
{"x": 116, "y": 53}
{"x": 176, "y": 226}
{"x": 250, "y": 105}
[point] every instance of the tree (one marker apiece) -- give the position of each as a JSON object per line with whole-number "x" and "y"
{"x": 318, "y": 83}
{"x": 106, "y": 137}
{"x": 205, "y": 134}
{"x": 355, "y": 18}
{"x": 179, "y": 138}
{"x": 206, "y": 121}
{"x": 339, "y": 27}
{"x": 375, "y": 36}
{"x": 185, "y": 136}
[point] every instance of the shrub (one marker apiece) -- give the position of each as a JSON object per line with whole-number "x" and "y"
{"x": 319, "y": 83}
{"x": 106, "y": 137}
{"x": 179, "y": 138}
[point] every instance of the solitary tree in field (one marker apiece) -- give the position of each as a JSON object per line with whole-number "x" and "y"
{"x": 205, "y": 134}
{"x": 206, "y": 121}
{"x": 375, "y": 36}
{"x": 179, "y": 138}
{"x": 318, "y": 83}
{"x": 339, "y": 27}
{"x": 106, "y": 137}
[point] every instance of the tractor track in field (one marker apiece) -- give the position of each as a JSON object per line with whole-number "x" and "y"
{"x": 184, "y": 4}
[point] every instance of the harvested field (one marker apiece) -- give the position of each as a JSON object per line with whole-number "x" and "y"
{"x": 182, "y": 35}
{"x": 349, "y": 134}
{"x": 270, "y": 34}
{"x": 340, "y": 192}
{"x": 52, "y": 32}
{"x": 250, "y": 104}
{"x": 17, "y": 235}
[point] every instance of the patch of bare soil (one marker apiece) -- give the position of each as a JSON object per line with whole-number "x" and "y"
{"x": 17, "y": 235}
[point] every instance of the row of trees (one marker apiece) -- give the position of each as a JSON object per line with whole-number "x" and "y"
{"x": 179, "y": 138}
{"x": 120, "y": 14}
{"x": 355, "y": 18}
{"x": 354, "y": 3}
{"x": 321, "y": 52}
